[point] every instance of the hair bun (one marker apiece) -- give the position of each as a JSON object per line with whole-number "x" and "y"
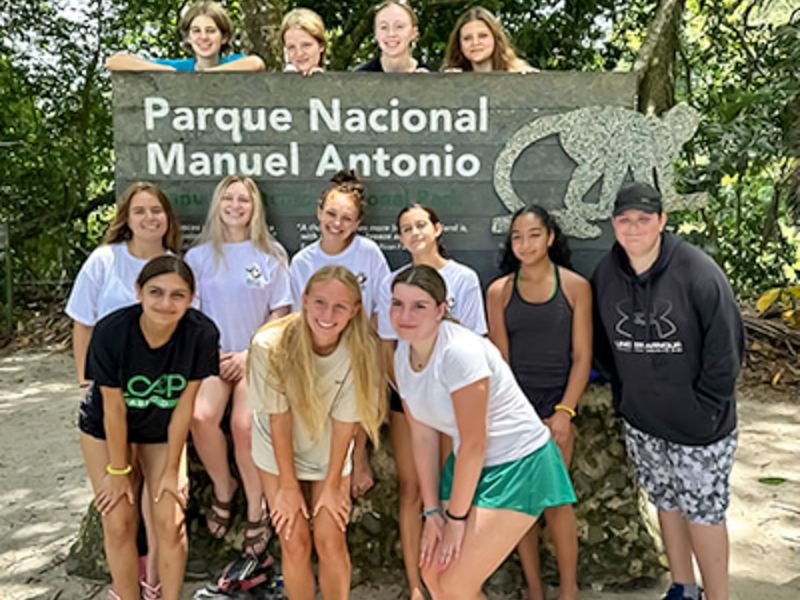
{"x": 345, "y": 176}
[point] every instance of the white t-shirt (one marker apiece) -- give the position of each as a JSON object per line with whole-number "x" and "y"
{"x": 464, "y": 299}
{"x": 106, "y": 282}
{"x": 336, "y": 391}
{"x": 461, "y": 357}
{"x": 363, "y": 257}
{"x": 238, "y": 289}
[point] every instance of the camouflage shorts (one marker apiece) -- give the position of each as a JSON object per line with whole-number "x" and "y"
{"x": 691, "y": 479}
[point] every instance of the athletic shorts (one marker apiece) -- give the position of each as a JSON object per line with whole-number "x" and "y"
{"x": 527, "y": 485}
{"x": 691, "y": 479}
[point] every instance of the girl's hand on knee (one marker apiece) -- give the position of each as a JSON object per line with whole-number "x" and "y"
{"x": 450, "y": 548}
{"x": 169, "y": 484}
{"x": 432, "y": 532}
{"x": 112, "y": 489}
{"x": 336, "y": 502}
{"x": 232, "y": 366}
{"x": 289, "y": 503}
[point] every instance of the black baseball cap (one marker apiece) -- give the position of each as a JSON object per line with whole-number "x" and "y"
{"x": 641, "y": 196}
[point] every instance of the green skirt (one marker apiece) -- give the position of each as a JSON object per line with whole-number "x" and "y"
{"x": 527, "y": 485}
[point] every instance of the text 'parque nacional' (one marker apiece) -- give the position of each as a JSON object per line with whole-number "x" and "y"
{"x": 322, "y": 117}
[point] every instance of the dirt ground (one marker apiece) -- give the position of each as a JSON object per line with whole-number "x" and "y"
{"x": 45, "y": 492}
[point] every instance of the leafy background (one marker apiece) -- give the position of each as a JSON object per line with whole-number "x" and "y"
{"x": 736, "y": 61}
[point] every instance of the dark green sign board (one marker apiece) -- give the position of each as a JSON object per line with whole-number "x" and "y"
{"x": 473, "y": 147}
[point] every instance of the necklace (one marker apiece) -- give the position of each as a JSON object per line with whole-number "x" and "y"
{"x": 417, "y": 362}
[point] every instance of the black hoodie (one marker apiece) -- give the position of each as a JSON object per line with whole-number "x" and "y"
{"x": 674, "y": 373}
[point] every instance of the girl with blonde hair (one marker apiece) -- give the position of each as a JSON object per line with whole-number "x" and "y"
{"x": 313, "y": 377}
{"x": 340, "y": 209}
{"x": 478, "y": 42}
{"x": 304, "y": 41}
{"x": 242, "y": 283}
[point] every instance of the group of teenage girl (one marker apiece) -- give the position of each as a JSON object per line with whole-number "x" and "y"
{"x": 478, "y": 43}
{"x": 311, "y": 354}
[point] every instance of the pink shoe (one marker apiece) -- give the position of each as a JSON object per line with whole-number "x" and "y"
{"x": 112, "y": 595}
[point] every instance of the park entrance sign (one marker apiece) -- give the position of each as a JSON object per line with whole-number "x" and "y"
{"x": 473, "y": 147}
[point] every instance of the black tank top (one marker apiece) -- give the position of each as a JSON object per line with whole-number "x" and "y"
{"x": 540, "y": 345}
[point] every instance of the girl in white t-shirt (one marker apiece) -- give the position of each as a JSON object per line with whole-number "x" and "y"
{"x": 340, "y": 209}
{"x": 505, "y": 468}
{"x": 313, "y": 377}
{"x": 420, "y": 231}
{"x": 143, "y": 228}
{"x": 242, "y": 283}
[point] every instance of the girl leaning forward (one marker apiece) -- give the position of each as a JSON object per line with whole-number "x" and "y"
{"x": 313, "y": 377}
{"x": 505, "y": 469}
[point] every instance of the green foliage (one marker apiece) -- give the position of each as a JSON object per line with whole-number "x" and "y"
{"x": 739, "y": 67}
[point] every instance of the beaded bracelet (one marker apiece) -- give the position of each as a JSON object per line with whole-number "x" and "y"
{"x": 429, "y": 512}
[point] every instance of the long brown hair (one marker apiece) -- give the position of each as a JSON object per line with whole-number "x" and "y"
{"x": 504, "y": 58}
{"x": 119, "y": 231}
{"x": 291, "y": 361}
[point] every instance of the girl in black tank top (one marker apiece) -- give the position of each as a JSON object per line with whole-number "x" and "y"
{"x": 540, "y": 319}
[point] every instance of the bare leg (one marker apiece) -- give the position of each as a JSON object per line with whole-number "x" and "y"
{"x": 151, "y": 561}
{"x": 170, "y": 526}
{"x": 564, "y": 529}
{"x": 677, "y": 543}
{"x": 490, "y": 537}
{"x": 710, "y": 545}
{"x": 410, "y": 502}
{"x": 241, "y": 426}
{"x": 209, "y": 441}
{"x": 330, "y": 543}
{"x": 119, "y": 525}
{"x": 528, "y": 549}
{"x": 296, "y": 551}
{"x": 363, "y": 478}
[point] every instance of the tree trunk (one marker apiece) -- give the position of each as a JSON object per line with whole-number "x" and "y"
{"x": 617, "y": 545}
{"x": 655, "y": 64}
{"x": 262, "y": 24}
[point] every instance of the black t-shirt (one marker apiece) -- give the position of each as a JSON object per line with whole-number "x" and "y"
{"x": 151, "y": 379}
{"x": 375, "y": 66}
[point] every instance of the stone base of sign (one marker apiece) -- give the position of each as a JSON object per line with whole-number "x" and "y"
{"x": 618, "y": 547}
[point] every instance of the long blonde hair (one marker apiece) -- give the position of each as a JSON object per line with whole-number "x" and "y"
{"x": 291, "y": 361}
{"x": 215, "y": 232}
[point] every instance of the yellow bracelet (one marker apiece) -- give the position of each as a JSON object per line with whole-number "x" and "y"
{"x": 112, "y": 471}
{"x": 570, "y": 411}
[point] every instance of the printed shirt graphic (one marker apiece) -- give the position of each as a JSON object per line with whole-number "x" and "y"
{"x": 151, "y": 380}
{"x": 239, "y": 289}
{"x": 140, "y": 391}
{"x": 655, "y": 333}
{"x": 363, "y": 257}
{"x": 464, "y": 299}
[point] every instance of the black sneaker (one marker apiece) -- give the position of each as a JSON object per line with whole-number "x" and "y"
{"x": 675, "y": 592}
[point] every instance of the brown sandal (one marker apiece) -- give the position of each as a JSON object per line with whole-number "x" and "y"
{"x": 256, "y": 536}
{"x": 213, "y": 515}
